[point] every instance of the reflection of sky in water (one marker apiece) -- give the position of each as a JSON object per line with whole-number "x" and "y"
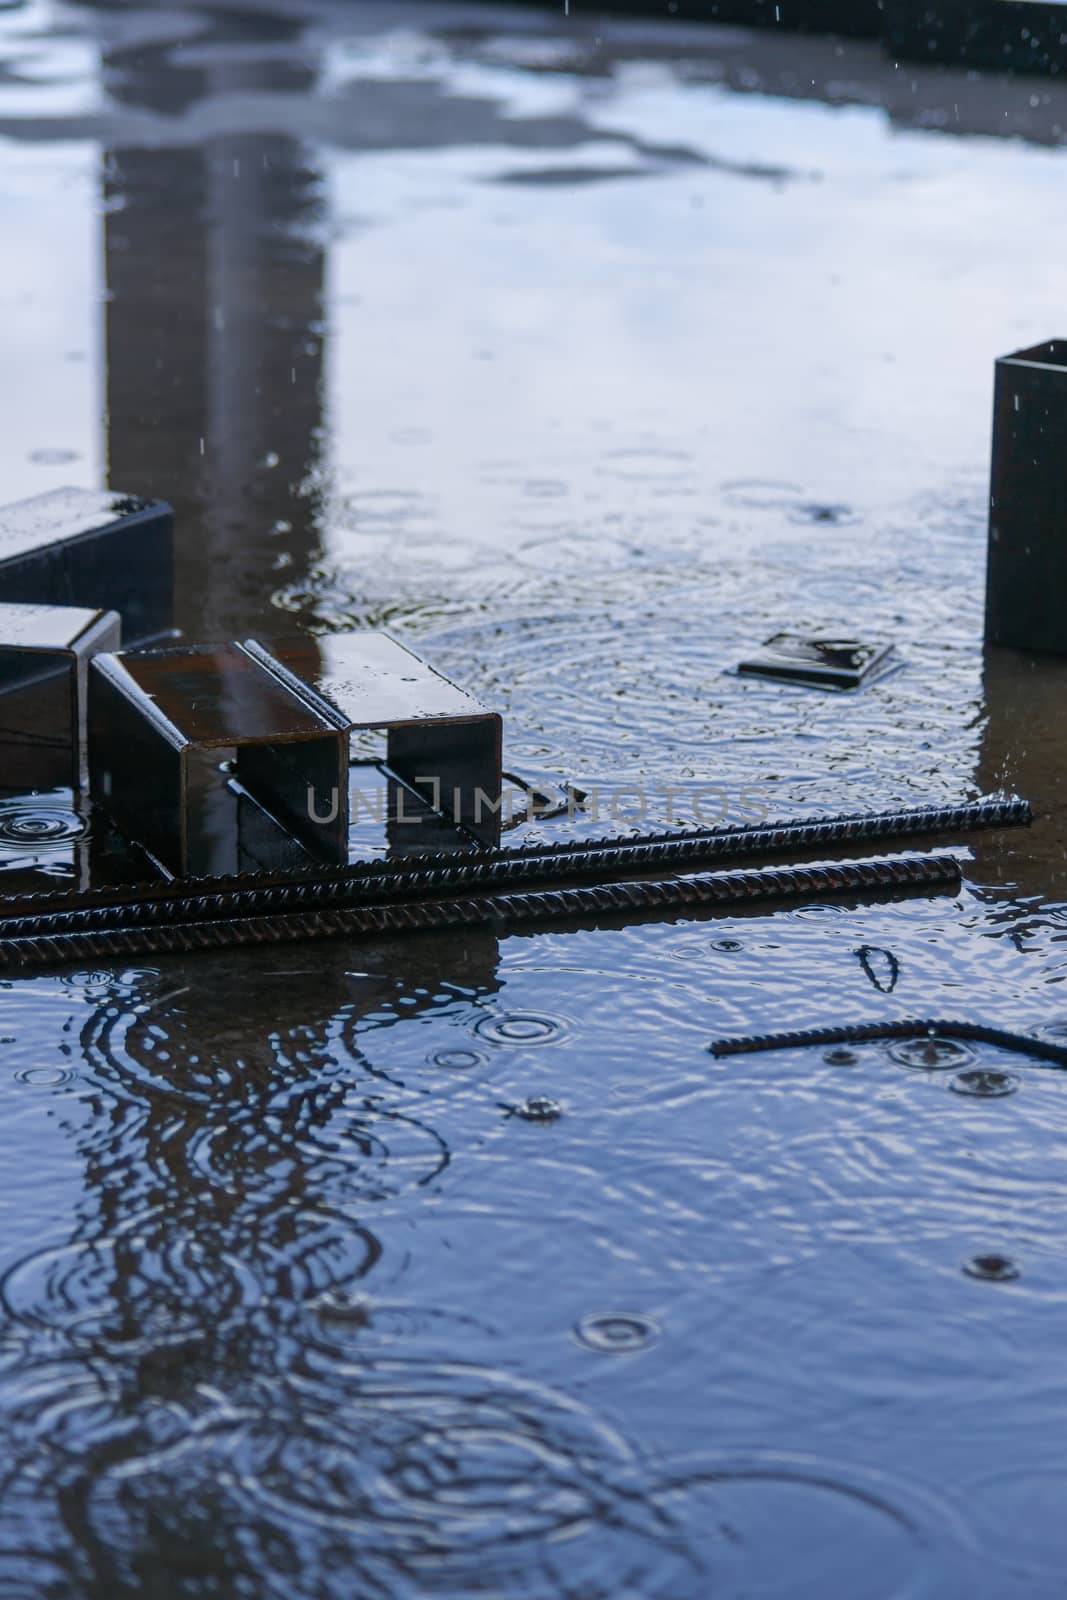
{"x": 51, "y": 285}
{"x": 820, "y": 330}
{"x": 49, "y": 68}
{"x": 637, "y": 398}
{"x": 50, "y": 306}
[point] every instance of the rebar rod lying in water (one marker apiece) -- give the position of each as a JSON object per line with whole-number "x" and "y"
{"x": 866, "y": 1032}
{"x": 198, "y": 900}
{"x": 880, "y": 874}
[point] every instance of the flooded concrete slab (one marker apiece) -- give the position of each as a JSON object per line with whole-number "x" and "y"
{"x": 580, "y": 356}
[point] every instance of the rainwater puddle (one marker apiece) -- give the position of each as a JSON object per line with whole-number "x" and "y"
{"x": 583, "y": 357}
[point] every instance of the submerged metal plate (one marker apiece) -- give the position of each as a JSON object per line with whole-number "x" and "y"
{"x": 822, "y": 663}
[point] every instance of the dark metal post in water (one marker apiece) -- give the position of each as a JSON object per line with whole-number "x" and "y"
{"x": 1026, "y": 584}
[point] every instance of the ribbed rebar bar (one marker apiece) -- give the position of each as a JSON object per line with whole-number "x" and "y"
{"x": 880, "y": 874}
{"x": 206, "y": 899}
{"x": 866, "y": 1032}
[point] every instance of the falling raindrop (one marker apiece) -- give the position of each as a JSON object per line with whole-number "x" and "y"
{"x": 519, "y": 1027}
{"x": 457, "y": 1060}
{"x": 538, "y": 1108}
{"x": 931, "y": 1054}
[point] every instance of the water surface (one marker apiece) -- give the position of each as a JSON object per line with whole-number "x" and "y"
{"x": 583, "y": 360}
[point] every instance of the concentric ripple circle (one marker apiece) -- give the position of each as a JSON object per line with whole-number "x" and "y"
{"x": 616, "y": 1332}
{"x": 45, "y": 1077}
{"x": 40, "y": 827}
{"x": 1030, "y": 1497}
{"x": 985, "y": 1083}
{"x": 779, "y": 1526}
{"x": 992, "y": 1268}
{"x": 521, "y": 1028}
{"x": 929, "y": 1054}
{"x": 457, "y": 1476}
{"x": 363, "y": 1151}
{"x": 127, "y": 1289}
{"x": 194, "y": 1053}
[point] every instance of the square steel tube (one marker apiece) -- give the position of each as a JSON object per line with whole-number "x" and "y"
{"x": 44, "y": 660}
{"x": 81, "y": 547}
{"x": 439, "y": 739}
{"x": 1026, "y": 576}
{"x": 161, "y": 722}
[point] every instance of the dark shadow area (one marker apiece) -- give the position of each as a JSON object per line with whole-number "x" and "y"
{"x": 1023, "y": 750}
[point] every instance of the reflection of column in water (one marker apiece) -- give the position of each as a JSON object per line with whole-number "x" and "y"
{"x": 1024, "y": 748}
{"x": 214, "y": 326}
{"x": 242, "y": 1160}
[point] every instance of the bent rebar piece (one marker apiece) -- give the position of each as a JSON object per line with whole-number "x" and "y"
{"x": 208, "y": 899}
{"x": 880, "y": 874}
{"x": 867, "y": 1032}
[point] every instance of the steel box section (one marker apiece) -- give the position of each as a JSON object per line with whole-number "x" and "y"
{"x": 80, "y": 547}
{"x": 440, "y": 740}
{"x": 162, "y": 722}
{"x": 44, "y": 660}
{"x": 1026, "y": 576}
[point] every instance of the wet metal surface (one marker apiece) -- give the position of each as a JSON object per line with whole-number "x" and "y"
{"x": 1025, "y": 590}
{"x": 579, "y": 359}
{"x": 159, "y": 721}
{"x": 74, "y": 547}
{"x": 438, "y": 739}
{"x": 824, "y": 663}
{"x": 44, "y": 666}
